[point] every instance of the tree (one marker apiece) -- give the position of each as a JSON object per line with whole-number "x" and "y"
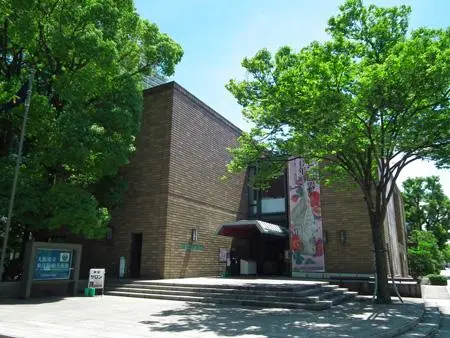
{"x": 89, "y": 59}
{"x": 367, "y": 103}
{"x": 427, "y": 207}
{"x": 425, "y": 257}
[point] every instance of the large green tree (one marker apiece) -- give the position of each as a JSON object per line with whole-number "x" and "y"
{"x": 89, "y": 58}
{"x": 427, "y": 207}
{"x": 367, "y": 102}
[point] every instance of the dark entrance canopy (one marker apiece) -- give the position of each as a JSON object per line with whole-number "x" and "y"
{"x": 246, "y": 228}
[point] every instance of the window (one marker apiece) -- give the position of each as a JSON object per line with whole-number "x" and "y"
{"x": 273, "y": 199}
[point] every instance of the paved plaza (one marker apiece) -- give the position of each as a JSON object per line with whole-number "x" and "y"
{"x": 109, "y": 316}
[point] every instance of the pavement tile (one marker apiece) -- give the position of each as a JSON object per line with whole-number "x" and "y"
{"x": 110, "y": 316}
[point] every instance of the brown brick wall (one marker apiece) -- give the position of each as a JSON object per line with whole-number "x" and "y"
{"x": 198, "y": 198}
{"x": 145, "y": 202}
{"x": 345, "y": 210}
{"x": 174, "y": 187}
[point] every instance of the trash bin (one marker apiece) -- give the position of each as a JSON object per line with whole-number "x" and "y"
{"x": 89, "y": 292}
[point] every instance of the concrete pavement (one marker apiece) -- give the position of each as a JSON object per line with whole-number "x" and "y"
{"x": 439, "y": 296}
{"x": 109, "y": 316}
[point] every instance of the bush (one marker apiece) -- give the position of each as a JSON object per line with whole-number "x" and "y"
{"x": 421, "y": 263}
{"x": 437, "y": 279}
{"x": 425, "y": 258}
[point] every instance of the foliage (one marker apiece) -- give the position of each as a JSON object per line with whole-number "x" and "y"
{"x": 437, "y": 279}
{"x": 446, "y": 253}
{"x": 427, "y": 207}
{"x": 89, "y": 59}
{"x": 425, "y": 258}
{"x": 367, "y": 102}
{"x": 420, "y": 263}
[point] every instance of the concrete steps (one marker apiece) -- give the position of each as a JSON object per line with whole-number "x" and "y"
{"x": 313, "y": 296}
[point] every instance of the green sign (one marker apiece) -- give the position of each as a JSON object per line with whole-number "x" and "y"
{"x": 192, "y": 247}
{"x": 52, "y": 264}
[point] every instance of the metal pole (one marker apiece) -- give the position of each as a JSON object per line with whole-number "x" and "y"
{"x": 16, "y": 174}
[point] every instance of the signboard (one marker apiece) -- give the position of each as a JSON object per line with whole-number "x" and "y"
{"x": 192, "y": 247}
{"x": 305, "y": 219}
{"x": 96, "y": 278}
{"x": 223, "y": 253}
{"x": 50, "y": 264}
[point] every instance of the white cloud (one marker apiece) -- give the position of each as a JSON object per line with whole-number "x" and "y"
{"x": 425, "y": 168}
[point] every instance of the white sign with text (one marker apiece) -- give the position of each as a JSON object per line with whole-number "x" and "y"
{"x": 96, "y": 278}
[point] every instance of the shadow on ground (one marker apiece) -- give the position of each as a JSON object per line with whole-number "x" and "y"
{"x": 356, "y": 319}
{"x": 30, "y": 301}
{"x": 444, "y": 329}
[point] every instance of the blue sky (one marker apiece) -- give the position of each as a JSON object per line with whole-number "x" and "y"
{"x": 217, "y": 34}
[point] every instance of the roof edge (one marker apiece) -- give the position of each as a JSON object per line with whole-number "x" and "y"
{"x": 175, "y": 86}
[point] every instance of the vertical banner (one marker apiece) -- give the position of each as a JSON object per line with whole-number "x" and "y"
{"x": 305, "y": 219}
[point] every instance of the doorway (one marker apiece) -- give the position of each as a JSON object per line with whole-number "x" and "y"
{"x": 135, "y": 255}
{"x": 273, "y": 261}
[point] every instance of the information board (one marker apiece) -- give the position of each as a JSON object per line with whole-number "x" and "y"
{"x": 223, "y": 254}
{"x": 52, "y": 264}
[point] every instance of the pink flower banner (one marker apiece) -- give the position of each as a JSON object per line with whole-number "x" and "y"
{"x": 305, "y": 219}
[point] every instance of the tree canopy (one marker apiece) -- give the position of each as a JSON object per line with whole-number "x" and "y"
{"x": 369, "y": 101}
{"x": 89, "y": 58}
{"x": 427, "y": 207}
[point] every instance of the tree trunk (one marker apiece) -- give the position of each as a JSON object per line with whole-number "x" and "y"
{"x": 383, "y": 295}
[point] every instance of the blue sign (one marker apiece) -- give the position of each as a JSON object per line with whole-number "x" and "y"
{"x": 52, "y": 264}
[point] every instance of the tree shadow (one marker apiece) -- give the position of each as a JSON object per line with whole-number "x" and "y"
{"x": 30, "y": 301}
{"x": 355, "y": 319}
{"x": 444, "y": 328}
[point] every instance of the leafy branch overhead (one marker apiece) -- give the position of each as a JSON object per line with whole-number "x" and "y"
{"x": 367, "y": 102}
{"x": 90, "y": 57}
{"x": 372, "y": 99}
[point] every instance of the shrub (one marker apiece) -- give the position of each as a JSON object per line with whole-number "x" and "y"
{"x": 437, "y": 279}
{"x": 425, "y": 258}
{"x": 421, "y": 263}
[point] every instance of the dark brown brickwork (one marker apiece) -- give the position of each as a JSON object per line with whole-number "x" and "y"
{"x": 145, "y": 203}
{"x": 345, "y": 210}
{"x": 175, "y": 186}
{"x": 198, "y": 198}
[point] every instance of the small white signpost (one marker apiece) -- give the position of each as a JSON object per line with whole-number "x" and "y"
{"x": 97, "y": 279}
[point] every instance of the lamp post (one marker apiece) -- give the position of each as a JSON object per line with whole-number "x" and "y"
{"x": 16, "y": 175}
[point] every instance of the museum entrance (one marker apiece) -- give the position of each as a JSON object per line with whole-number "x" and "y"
{"x": 259, "y": 244}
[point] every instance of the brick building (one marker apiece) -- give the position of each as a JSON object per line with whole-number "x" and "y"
{"x": 168, "y": 224}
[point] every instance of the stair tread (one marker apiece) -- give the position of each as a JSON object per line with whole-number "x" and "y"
{"x": 292, "y": 297}
{"x": 218, "y": 299}
{"x": 271, "y": 287}
{"x": 280, "y": 293}
{"x": 299, "y": 294}
{"x": 229, "y": 287}
{"x": 222, "y": 295}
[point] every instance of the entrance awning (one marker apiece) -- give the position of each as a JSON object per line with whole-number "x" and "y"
{"x": 246, "y": 228}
